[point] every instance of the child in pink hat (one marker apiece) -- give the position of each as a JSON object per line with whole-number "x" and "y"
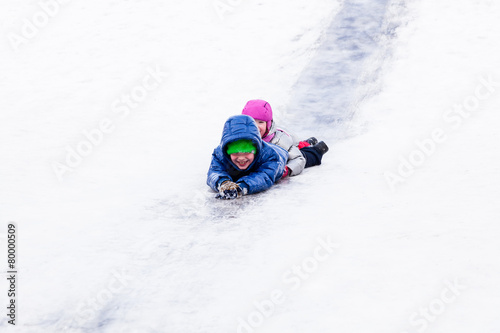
{"x": 301, "y": 154}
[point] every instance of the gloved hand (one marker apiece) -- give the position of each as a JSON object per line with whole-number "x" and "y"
{"x": 303, "y": 144}
{"x": 229, "y": 190}
{"x": 286, "y": 172}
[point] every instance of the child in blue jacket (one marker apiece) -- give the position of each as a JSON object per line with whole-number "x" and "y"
{"x": 243, "y": 163}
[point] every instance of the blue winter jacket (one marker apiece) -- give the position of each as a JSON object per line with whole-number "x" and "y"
{"x": 265, "y": 170}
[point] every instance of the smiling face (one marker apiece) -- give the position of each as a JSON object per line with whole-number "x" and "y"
{"x": 262, "y": 125}
{"x": 242, "y": 160}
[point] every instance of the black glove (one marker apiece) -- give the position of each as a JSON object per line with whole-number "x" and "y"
{"x": 229, "y": 190}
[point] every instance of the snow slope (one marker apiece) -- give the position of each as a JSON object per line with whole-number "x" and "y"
{"x": 109, "y": 114}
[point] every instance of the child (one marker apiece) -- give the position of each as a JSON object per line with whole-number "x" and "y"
{"x": 306, "y": 154}
{"x": 242, "y": 163}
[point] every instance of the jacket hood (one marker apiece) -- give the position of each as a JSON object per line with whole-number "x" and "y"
{"x": 240, "y": 127}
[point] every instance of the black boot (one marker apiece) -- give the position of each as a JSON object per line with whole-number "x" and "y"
{"x": 321, "y": 147}
{"x": 312, "y": 141}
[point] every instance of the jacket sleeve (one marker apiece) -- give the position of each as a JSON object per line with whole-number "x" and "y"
{"x": 268, "y": 172}
{"x": 296, "y": 161}
{"x": 217, "y": 172}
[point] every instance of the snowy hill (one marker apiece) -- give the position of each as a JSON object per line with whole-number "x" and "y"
{"x": 108, "y": 118}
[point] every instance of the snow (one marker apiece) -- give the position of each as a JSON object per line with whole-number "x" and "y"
{"x": 395, "y": 232}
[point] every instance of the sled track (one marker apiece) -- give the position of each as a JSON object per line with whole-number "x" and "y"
{"x": 346, "y": 67}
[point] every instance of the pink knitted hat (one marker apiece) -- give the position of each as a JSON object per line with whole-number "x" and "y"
{"x": 260, "y": 110}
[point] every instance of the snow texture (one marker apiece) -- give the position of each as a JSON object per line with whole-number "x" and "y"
{"x": 109, "y": 113}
